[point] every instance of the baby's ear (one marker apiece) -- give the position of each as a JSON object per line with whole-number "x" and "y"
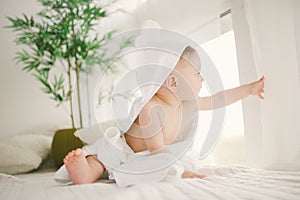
{"x": 172, "y": 82}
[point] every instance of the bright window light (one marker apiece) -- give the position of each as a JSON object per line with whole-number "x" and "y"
{"x": 223, "y": 53}
{"x": 230, "y": 148}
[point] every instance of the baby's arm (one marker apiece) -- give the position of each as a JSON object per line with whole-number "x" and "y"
{"x": 151, "y": 127}
{"x": 230, "y": 96}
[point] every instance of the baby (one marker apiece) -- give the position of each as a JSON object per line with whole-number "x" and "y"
{"x": 165, "y": 117}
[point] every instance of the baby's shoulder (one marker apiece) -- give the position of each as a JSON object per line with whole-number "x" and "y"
{"x": 152, "y": 104}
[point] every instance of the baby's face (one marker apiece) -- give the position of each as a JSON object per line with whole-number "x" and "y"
{"x": 189, "y": 72}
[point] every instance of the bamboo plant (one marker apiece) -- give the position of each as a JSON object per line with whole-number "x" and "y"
{"x": 61, "y": 43}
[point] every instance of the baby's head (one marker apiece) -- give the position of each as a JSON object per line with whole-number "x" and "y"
{"x": 186, "y": 77}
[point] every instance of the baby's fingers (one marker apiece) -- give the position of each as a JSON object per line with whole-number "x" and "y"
{"x": 261, "y": 81}
{"x": 260, "y": 95}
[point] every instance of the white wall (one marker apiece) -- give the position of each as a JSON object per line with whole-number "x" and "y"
{"x": 23, "y": 106}
{"x": 197, "y": 18}
{"x": 297, "y": 31}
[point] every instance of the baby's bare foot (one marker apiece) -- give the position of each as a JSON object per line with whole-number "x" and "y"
{"x": 190, "y": 174}
{"x": 77, "y": 167}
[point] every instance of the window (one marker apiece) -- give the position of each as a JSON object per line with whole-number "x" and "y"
{"x": 230, "y": 147}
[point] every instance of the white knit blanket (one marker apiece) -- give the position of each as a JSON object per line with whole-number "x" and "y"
{"x": 234, "y": 182}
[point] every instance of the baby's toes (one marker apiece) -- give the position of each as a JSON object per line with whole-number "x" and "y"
{"x": 67, "y": 158}
{"x": 78, "y": 152}
{"x": 71, "y": 154}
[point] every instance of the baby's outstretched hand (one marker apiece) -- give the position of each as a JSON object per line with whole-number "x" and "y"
{"x": 257, "y": 87}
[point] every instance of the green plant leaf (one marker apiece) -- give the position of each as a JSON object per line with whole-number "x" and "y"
{"x": 62, "y": 30}
{"x": 44, "y": 83}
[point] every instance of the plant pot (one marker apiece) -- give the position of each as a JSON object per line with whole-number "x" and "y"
{"x": 63, "y": 142}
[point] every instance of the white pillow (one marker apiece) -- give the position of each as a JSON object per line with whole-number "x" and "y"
{"x": 23, "y": 153}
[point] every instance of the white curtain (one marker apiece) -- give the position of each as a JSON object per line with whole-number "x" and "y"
{"x": 267, "y": 37}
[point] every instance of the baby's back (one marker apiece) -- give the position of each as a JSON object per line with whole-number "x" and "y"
{"x": 173, "y": 123}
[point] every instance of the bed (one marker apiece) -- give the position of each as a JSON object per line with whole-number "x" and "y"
{"x": 223, "y": 182}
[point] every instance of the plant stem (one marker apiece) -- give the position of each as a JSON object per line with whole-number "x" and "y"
{"x": 71, "y": 93}
{"x": 78, "y": 92}
{"x": 88, "y": 97}
{"x": 77, "y": 74}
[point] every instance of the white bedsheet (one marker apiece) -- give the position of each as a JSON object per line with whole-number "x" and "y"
{"x": 234, "y": 182}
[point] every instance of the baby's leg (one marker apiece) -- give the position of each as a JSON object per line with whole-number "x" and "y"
{"x": 83, "y": 169}
{"x": 190, "y": 174}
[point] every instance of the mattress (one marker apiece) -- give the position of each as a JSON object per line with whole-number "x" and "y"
{"x": 222, "y": 182}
